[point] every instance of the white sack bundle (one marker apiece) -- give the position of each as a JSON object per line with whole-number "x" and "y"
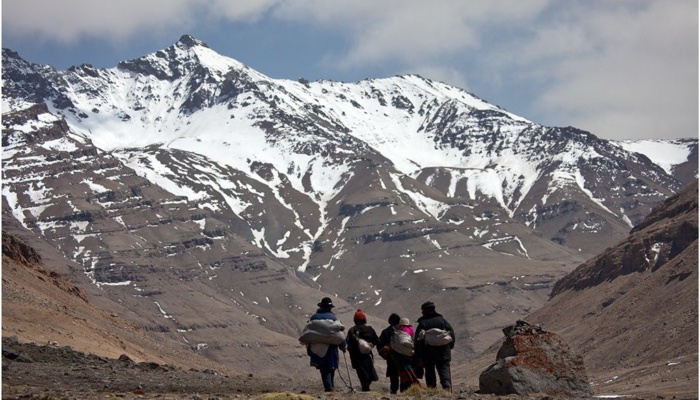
{"x": 437, "y": 337}
{"x": 323, "y": 331}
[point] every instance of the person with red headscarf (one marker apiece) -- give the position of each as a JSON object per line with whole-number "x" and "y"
{"x": 362, "y": 362}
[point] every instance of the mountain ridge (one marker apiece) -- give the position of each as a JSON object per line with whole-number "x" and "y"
{"x": 170, "y": 183}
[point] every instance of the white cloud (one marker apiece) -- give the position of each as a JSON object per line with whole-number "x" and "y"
{"x": 621, "y": 69}
{"x": 410, "y": 31}
{"x": 240, "y": 10}
{"x": 68, "y": 21}
{"x": 411, "y": 34}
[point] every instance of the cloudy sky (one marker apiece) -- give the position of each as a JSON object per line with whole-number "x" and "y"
{"x": 619, "y": 69}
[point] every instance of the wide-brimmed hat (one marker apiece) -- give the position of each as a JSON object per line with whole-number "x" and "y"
{"x": 326, "y": 302}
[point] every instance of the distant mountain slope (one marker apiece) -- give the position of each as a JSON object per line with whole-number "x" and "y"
{"x": 678, "y": 157}
{"x": 42, "y": 306}
{"x": 635, "y": 306}
{"x": 184, "y": 181}
{"x": 311, "y": 138}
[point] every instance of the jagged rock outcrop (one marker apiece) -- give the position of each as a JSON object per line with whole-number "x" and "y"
{"x": 532, "y": 360}
{"x": 17, "y": 250}
{"x": 21, "y": 254}
{"x": 665, "y": 233}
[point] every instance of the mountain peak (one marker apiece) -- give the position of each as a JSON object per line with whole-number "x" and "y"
{"x": 170, "y": 63}
{"x": 189, "y": 41}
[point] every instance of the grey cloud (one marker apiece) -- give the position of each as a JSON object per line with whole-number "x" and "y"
{"x": 615, "y": 68}
{"x": 240, "y": 10}
{"x": 412, "y": 31}
{"x": 67, "y": 21}
{"x": 632, "y": 75}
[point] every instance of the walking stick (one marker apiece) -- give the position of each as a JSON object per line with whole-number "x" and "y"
{"x": 352, "y": 389}
{"x": 449, "y": 372}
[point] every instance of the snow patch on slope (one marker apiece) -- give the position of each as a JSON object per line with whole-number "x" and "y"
{"x": 664, "y": 153}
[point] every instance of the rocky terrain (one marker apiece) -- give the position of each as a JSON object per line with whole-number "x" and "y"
{"x": 52, "y": 372}
{"x": 632, "y": 311}
{"x": 646, "y": 349}
{"x": 34, "y": 371}
{"x": 185, "y": 210}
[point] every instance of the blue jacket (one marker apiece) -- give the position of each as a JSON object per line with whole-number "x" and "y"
{"x": 331, "y": 359}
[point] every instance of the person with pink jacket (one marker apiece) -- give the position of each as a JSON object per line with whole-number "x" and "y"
{"x": 407, "y": 373}
{"x": 405, "y": 325}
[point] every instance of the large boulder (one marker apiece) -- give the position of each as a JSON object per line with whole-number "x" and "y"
{"x": 532, "y": 360}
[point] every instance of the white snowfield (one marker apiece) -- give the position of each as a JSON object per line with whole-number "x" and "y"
{"x": 207, "y": 104}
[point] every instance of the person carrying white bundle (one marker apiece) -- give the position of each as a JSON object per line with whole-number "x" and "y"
{"x": 361, "y": 339}
{"x": 323, "y": 337}
{"x": 402, "y": 346}
{"x": 435, "y": 339}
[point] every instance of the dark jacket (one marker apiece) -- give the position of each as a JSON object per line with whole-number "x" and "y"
{"x": 385, "y": 337}
{"x": 365, "y": 332}
{"x": 431, "y": 354}
{"x": 384, "y": 349}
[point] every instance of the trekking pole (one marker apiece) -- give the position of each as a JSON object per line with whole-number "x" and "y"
{"x": 352, "y": 389}
{"x": 449, "y": 372}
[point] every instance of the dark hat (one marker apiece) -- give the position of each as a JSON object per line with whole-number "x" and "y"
{"x": 428, "y": 306}
{"x": 326, "y": 302}
{"x": 394, "y": 319}
{"x": 359, "y": 316}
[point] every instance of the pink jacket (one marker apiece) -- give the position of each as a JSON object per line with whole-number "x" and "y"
{"x": 407, "y": 328}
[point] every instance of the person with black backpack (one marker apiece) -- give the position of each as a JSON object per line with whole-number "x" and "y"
{"x": 361, "y": 340}
{"x": 434, "y": 341}
{"x": 384, "y": 350}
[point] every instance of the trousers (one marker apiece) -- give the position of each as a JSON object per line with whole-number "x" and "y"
{"x": 327, "y": 375}
{"x": 443, "y": 372}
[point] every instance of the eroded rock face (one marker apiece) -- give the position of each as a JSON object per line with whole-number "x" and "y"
{"x": 532, "y": 360}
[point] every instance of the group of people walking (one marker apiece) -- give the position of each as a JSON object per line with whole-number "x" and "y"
{"x": 410, "y": 354}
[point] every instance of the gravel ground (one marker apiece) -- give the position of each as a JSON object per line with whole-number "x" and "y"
{"x": 31, "y": 371}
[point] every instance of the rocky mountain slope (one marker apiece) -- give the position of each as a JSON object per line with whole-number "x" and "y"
{"x": 44, "y": 307}
{"x": 632, "y": 311}
{"x": 209, "y": 204}
{"x": 69, "y": 348}
{"x": 635, "y": 306}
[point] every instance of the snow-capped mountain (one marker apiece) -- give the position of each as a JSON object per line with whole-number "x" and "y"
{"x": 185, "y": 168}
